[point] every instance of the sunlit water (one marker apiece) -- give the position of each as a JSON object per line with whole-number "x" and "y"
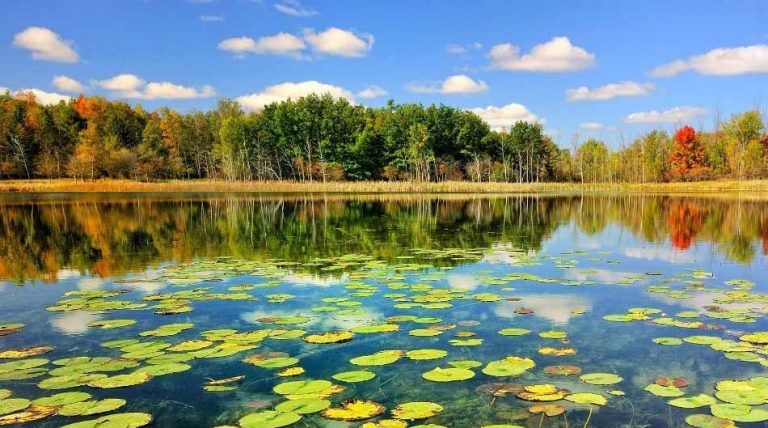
{"x": 583, "y": 258}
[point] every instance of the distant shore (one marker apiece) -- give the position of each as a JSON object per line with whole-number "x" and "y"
{"x": 176, "y": 186}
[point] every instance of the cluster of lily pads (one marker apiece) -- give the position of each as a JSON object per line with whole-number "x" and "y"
{"x": 412, "y": 286}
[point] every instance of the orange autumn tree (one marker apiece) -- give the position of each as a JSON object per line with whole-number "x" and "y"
{"x": 688, "y": 157}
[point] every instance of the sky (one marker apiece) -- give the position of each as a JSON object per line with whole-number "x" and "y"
{"x": 608, "y": 69}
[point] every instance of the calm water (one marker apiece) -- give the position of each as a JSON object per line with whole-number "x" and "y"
{"x": 565, "y": 261}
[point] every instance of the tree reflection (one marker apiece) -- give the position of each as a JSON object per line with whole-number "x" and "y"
{"x": 109, "y": 235}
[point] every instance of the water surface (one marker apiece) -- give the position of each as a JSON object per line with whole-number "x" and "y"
{"x": 542, "y": 263}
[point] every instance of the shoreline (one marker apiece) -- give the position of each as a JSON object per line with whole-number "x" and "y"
{"x": 362, "y": 187}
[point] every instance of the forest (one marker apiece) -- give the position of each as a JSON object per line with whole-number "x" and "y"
{"x": 320, "y": 138}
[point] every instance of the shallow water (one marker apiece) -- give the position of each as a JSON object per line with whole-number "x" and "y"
{"x": 568, "y": 260}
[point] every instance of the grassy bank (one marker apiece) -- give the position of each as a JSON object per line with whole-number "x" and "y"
{"x": 110, "y": 185}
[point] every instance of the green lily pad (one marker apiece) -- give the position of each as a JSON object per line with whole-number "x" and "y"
{"x": 11, "y": 405}
{"x": 667, "y": 341}
{"x": 354, "y": 376}
{"x": 111, "y": 324}
{"x": 380, "y": 358}
{"x": 426, "y": 354}
{"x": 708, "y": 421}
{"x": 451, "y": 374}
{"x": 164, "y": 369}
{"x": 509, "y": 366}
{"x": 303, "y": 406}
{"x": 301, "y": 387}
{"x": 62, "y": 399}
{"x": 416, "y": 410}
{"x": 514, "y": 331}
{"x": 121, "y": 381}
{"x": 739, "y": 412}
{"x": 700, "y": 400}
{"x": 664, "y": 391}
{"x": 118, "y": 420}
{"x": 601, "y": 378}
{"x": 465, "y": 364}
{"x": 88, "y": 408}
{"x": 587, "y": 398}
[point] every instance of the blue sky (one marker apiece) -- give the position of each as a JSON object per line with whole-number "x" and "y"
{"x": 638, "y": 64}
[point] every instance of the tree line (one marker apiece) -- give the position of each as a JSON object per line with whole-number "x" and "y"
{"x": 320, "y": 138}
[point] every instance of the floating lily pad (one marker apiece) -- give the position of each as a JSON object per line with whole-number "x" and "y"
{"x": 269, "y": 419}
{"x": 111, "y": 324}
{"x": 355, "y": 410}
{"x": 509, "y": 366}
{"x": 416, "y": 410}
{"x": 164, "y": 369}
{"x": 354, "y": 376}
{"x": 25, "y": 352}
{"x": 514, "y": 331}
{"x": 547, "y": 409}
{"x": 88, "y": 408}
{"x": 426, "y": 354}
{"x": 301, "y": 387}
{"x": 10, "y": 405}
{"x": 118, "y": 420}
{"x": 700, "y": 400}
{"x": 271, "y": 363}
{"x": 330, "y": 337}
{"x": 739, "y": 412}
{"x": 664, "y": 391}
{"x": 601, "y": 378}
{"x": 708, "y": 421}
{"x": 542, "y": 392}
{"x": 62, "y": 399}
{"x": 587, "y": 398}
{"x": 667, "y": 341}
{"x": 380, "y": 358}
{"x": 465, "y": 364}
{"x": 563, "y": 370}
{"x": 451, "y": 374}
{"x": 121, "y": 381}
{"x": 303, "y": 406}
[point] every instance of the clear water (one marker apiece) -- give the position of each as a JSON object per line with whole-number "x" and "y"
{"x": 602, "y": 254}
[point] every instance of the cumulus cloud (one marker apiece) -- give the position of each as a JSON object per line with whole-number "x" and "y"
{"x": 720, "y": 62}
{"x": 294, "y": 8}
{"x": 211, "y": 18}
{"x": 41, "y": 96}
{"x": 132, "y": 86}
{"x": 457, "y": 84}
{"x": 332, "y": 41}
{"x": 372, "y": 92}
{"x": 505, "y": 116}
{"x": 591, "y": 125}
{"x": 676, "y": 114}
{"x": 292, "y": 90}
{"x": 624, "y": 89}
{"x": 279, "y": 44}
{"x": 67, "y": 84}
{"x": 45, "y": 45}
{"x": 556, "y": 55}
{"x": 335, "y": 41}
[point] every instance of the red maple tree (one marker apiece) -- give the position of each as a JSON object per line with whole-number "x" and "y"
{"x": 688, "y": 157}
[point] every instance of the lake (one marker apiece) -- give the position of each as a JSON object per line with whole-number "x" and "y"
{"x": 270, "y": 310}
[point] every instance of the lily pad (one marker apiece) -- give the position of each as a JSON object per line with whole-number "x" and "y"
{"x": 451, "y": 374}
{"x": 118, "y": 420}
{"x": 700, "y": 400}
{"x": 601, "y": 378}
{"x": 587, "y": 398}
{"x": 301, "y": 387}
{"x": 354, "y": 376}
{"x": 426, "y": 354}
{"x": 121, "y": 381}
{"x": 509, "y": 366}
{"x": 355, "y": 410}
{"x": 416, "y": 410}
{"x": 303, "y": 406}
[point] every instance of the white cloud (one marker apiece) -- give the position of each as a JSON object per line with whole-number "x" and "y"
{"x": 294, "y": 8}
{"x": 335, "y": 41}
{"x": 372, "y": 92}
{"x": 556, "y": 55}
{"x": 45, "y": 45}
{"x": 279, "y": 44}
{"x": 676, "y": 114}
{"x": 292, "y": 90}
{"x": 457, "y": 84}
{"x": 720, "y": 62}
{"x": 67, "y": 84}
{"x": 505, "y": 116}
{"x": 131, "y": 86}
{"x": 41, "y": 96}
{"x": 623, "y": 89}
{"x": 211, "y": 18}
{"x": 591, "y": 125}
{"x": 456, "y": 48}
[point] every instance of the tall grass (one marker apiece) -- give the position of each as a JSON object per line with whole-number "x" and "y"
{"x": 113, "y": 185}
